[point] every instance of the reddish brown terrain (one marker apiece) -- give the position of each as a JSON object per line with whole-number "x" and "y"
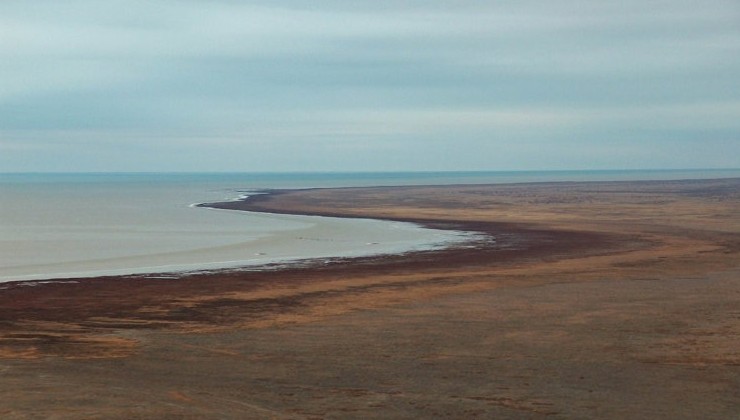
{"x": 584, "y": 300}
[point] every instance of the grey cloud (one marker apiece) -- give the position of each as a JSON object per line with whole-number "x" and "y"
{"x": 381, "y": 78}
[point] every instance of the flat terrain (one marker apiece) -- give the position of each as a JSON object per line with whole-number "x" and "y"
{"x": 596, "y": 300}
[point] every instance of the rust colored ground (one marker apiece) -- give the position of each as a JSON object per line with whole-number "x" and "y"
{"x": 597, "y": 300}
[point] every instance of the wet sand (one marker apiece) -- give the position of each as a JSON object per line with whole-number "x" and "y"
{"x": 596, "y": 300}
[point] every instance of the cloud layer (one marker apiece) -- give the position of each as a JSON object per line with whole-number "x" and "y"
{"x": 383, "y": 85}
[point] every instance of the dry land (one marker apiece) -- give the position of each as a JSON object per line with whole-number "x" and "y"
{"x": 595, "y": 300}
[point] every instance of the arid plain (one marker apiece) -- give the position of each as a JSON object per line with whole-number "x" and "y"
{"x": 581, "y": 300}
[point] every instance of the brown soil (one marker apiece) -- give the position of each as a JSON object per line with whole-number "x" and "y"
{"x": 596, "y": 300}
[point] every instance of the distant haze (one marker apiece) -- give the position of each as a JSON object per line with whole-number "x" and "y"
{"x": 330, "y": 85}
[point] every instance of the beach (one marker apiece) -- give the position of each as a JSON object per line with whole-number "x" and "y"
{"x": 578, "y": 300}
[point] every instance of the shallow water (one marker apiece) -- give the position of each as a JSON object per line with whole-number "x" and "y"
{"x": 54, "y": 226}
{"x": 73, "y": 225}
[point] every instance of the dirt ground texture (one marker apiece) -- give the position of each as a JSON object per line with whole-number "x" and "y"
{"x": 596, "y": 300}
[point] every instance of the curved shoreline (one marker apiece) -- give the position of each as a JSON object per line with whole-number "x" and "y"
{"x": 514, "y": 243}
{"x": 525, "y": 248}
{"x": 505, "y": 240}
{"x": 613, "y": 299}
{"x": 278, "y": 243}
{"x": 501, "y": 240}
{"x": 84, "y": 317}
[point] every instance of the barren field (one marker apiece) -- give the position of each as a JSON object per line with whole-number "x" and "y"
{"x": 583, "y": 300}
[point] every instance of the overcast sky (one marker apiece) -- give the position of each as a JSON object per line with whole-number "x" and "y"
{"x": 376, "y": 85}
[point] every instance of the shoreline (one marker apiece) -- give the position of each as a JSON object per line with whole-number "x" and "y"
{"x": 259, "y": 196}
{"x": 611, "y": 293}
{"x": 516, "y": 237}
{"x": 515, "y": 243}
{"x": 95, "y": 307}
{"x": 315, "y": 238}
{"x": 83, "y": 301}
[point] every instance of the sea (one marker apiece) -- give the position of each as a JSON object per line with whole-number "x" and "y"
{"x": 71, "y": 225}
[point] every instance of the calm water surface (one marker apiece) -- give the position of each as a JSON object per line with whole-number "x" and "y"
{"x": 70, "y": 225}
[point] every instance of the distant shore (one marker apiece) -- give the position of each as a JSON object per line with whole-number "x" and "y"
{"x": 613, "y": 287}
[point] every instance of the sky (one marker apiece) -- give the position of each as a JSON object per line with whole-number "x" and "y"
{"x": 381, "y": 85}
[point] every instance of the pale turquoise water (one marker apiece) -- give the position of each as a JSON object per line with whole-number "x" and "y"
{"x": 338, "y": 179}
{"x": 61, "y": 225}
